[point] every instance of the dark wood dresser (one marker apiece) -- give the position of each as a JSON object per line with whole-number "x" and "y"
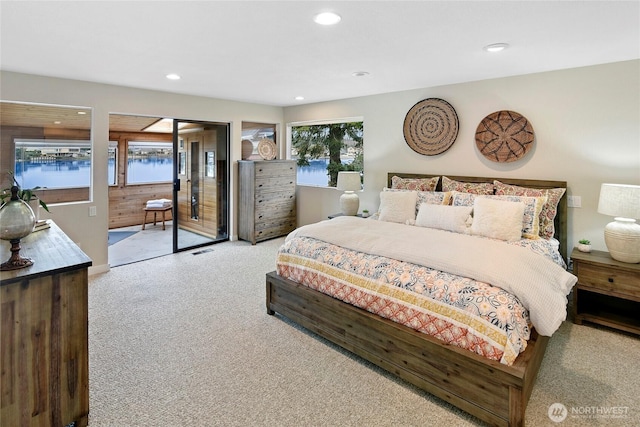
{"x": 267, "y": 202}
{"x": 44, "y": 358}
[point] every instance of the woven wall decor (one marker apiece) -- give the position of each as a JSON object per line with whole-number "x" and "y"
{"x": 431, "y": 126}
{"x": 504, "y": 136}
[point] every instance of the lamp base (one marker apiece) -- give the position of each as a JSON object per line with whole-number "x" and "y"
{"x": 15, "y": 262}
{"x": 622, "y": 238}
{"x": 349, "y": 203}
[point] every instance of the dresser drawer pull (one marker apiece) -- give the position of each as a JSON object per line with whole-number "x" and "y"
{"x": 610, "y": 279}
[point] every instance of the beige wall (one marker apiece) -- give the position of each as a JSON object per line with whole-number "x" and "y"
{"x": 586, "y": 121}
{"x": 90, "y": 233}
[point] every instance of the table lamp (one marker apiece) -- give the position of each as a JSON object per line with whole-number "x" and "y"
{"x": 622, "y": 236}
{"x": 349, "y": 182}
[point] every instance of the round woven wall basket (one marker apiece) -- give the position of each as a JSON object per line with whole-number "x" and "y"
{"x": 431, "y": 126}
{"x": 504, "y": 136}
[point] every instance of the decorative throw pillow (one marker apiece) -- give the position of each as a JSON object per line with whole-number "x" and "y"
{"x": 430, "y": 197}
{"x": 549, "y": 209}
{"x": 443, "y": 217}
{"x": 462, "y": 199}
{"x": 497, "y": 219}
{"x": 434, "y": 197}
{"x": 467, "y": 187}
{"x": 532, "y": 209}
{"x": 416, "y": 184}
{"x": 397, "y": 206}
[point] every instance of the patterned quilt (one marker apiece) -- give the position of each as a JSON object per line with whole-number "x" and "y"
{"x": 457, "y": 310}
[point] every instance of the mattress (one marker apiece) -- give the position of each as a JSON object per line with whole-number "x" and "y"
{"x": 461, "y": 311}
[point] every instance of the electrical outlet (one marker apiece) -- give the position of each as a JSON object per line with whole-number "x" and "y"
{"x": 92, "y": 211}
{"x": 574, "y": 201}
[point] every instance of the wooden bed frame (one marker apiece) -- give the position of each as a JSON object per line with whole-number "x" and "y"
{"x": 493, "y": 392}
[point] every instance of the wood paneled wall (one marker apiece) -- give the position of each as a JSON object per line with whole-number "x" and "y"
{"x": 126, "y": 202}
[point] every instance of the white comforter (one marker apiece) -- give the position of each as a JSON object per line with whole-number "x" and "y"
{"x": 541, "y": 285}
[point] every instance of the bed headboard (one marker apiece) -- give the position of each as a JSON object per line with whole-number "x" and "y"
{"x": 560, "y": 222}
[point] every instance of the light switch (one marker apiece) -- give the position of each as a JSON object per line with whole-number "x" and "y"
{"x": 92, "y": 211}
{"x": 574, "y": 201}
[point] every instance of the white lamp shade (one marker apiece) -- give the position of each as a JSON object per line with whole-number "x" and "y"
{"x": 349, "y": 181}
{"x": 620, "y": 200}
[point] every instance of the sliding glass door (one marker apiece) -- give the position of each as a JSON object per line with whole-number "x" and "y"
{"x": 200, "y": 184}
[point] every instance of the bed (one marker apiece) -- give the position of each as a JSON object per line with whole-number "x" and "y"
{"x": 494, "y": 388}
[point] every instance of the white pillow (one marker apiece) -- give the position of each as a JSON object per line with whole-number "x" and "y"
{"x": 397, "y": 206}
{"x": 444, "y": 217}
{"x": 497, "y": 219}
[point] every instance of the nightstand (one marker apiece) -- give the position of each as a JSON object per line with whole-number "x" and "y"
{"x": 607, "y": 292}
{"x": 335, "y": 215}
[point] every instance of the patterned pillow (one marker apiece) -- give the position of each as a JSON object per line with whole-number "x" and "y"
{"x": 532, "y": 209}
{"x": 434, "y": 197}
{"x": 485, "y": 188}
{"x": 415, "y": 184}
{"x": 462, "y": 199}
{"x": 549, "y": 210}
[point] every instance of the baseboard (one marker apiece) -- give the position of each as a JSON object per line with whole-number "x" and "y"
{"x": 99, "y": 269}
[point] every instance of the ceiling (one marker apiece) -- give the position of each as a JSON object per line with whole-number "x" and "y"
{"x": 269, "y": 52}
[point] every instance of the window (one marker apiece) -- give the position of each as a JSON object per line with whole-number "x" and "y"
{"x": 112, "y": 165}
{"x": 324, "y": 149}
{"x": 47, "y": 146}
{"x": 58, "y": 163}
{"x": 149, "y": 162}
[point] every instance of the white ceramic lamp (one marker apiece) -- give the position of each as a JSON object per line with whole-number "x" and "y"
{"x": 349, "y": 182}
{"x": 621, "y": 236}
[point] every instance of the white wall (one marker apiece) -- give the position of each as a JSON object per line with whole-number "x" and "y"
{"x": 586, "y": 122}
{"x": 90, "y": 233}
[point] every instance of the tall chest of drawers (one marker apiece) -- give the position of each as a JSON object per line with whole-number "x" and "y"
{"x": 267, "y": 199}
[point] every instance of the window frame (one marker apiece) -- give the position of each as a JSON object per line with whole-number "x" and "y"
{"x": 320, "y": 122}
{"x": 169, "y": 144}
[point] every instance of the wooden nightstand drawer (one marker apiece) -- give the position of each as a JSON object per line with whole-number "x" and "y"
{"x": 611, "y": 279}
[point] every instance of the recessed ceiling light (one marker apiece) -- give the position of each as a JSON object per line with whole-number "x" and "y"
{"x": 327, "y": 18}
{"x": 82, "y": 113}
{"x": 173, "y": 77}
{"x": 57, "y": 122}
{"x": 360, "y": 73}
{"x": 496, "y": 47}
{"x": 299, "y": 98}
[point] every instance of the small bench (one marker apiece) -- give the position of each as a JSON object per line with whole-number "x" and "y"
{"x": 155, "y": 212}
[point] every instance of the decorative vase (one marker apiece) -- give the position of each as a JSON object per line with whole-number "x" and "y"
{"x": 16, "y": 221}
{"x": 622, "y": 238}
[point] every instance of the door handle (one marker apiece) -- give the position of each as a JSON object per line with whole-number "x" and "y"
{"x": 176, "y": 185}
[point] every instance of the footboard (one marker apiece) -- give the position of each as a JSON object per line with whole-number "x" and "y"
{"x": 495, "y": 393}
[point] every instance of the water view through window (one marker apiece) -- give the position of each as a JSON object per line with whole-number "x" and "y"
{"x": 316, "y": 173}
{"x": 54, "y": 174}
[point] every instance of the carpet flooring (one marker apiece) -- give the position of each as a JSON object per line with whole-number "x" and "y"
{"x": 184, "y": 339}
